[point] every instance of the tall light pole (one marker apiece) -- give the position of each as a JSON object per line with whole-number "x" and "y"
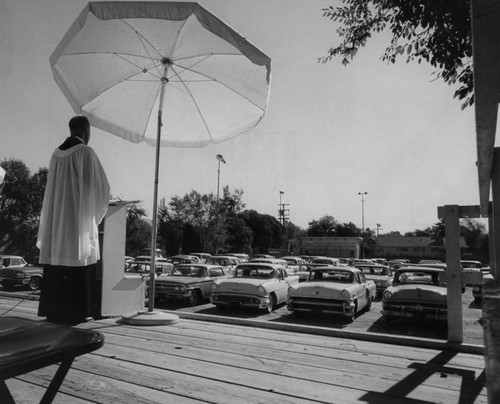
{"x": 378, "y": 228}
{"x": 282, "y": 210}
{"x": 362, "y": 220}
{"x": 220, "y": 159}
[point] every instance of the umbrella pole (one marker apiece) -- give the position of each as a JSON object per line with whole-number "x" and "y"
{"x": 152, "y": 317}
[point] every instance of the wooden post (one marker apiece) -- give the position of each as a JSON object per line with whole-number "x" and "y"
{"x": 495, "y": 212}
{"x": 453, "y": 275}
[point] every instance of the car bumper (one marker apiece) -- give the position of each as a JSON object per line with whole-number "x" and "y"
{"x": 345, "y": 308}
{"x": 256, "y": 302}
{"x": 430, "y": 314}
{"x": 14, "y": 281}
{"x": 174, "y": 296}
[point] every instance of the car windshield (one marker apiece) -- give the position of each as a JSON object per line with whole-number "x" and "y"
{"x": 331, "y": 276}
{"x": 417, "y": 277}
{"x": 255, "y": 272}
{"x": 376, "y": 271}
{"x": 195, "y": 272}
{"x": 218, "y": 261}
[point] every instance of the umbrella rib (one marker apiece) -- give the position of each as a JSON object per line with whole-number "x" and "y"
{"x": 142, "y": 69}
{"x": 195, "y": 103}
{"x": 209, "y": 78}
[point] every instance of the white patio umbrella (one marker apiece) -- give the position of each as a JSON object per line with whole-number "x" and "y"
{"x": 167, "y": 73}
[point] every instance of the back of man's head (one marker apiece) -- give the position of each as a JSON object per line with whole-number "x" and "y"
{"x": 77, "y": 124}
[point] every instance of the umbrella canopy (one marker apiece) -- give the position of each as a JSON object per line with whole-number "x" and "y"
{"x": 111, "y": 63}
{"x": 168, "y": 73}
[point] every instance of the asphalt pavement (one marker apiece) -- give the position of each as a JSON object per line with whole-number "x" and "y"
{"x": 368, "y": 324}
{"x": 370, "y": 321}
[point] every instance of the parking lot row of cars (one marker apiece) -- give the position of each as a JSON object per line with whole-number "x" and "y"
{"x": 324, "y": 284}
{"x": 304, "y": 284}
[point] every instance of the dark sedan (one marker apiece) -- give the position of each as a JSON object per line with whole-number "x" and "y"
{"x": 189, "y": 282}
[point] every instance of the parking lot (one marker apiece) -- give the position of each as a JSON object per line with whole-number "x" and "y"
{"x": 367, "y": 321}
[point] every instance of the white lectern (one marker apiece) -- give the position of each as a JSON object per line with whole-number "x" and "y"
{"x": 119, "y": 293}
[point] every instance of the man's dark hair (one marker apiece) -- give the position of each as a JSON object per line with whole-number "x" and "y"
{"x": 77, "y": 123}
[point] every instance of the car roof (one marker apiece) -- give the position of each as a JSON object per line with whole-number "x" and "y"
{"x": 260, "y": 264}
{"x": 421, "y": 269}
{"x": 333, "y": 268}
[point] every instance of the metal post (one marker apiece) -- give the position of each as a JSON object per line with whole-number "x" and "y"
{"x": 362, "y": 221}
{"x": 282, "y": 210}
{"x": 220, "y": 159}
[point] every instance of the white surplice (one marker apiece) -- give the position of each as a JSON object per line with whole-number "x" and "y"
{"x": 75, "y": 201}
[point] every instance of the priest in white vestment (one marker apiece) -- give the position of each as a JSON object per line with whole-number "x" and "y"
{"x": 75, "y": 201}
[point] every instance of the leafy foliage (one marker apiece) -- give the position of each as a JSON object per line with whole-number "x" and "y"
{"x": 434, "y": 31}
{"x": 138, "y": 233}
{"x": 21, "y": 197}
{"x": 323, "y": 227}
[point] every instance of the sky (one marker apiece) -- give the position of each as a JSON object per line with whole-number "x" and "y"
{"x": 330, "y": 132}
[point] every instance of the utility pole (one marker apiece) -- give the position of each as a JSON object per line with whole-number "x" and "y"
{"x": 378, "y": 228}
{"x": 220, "y": 159}
{"x": 283, "y": 212}
{"x": 362, "y": 221}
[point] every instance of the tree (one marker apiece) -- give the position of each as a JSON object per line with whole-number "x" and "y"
{"x": 324, "y": 227}
{"x": 199, "y": 211}
{"x": 476, "y": 237}
{"x": 240, "y": 236}
{"x": 267, "y": 231}
{"x": 435, "y": 31}
{"x": 21, "y": 198}
{"x": 347, "y": 230}
{"x": 138, "y": 233}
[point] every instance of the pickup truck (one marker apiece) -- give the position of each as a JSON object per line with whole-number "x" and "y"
{"x": 15, "y": 271}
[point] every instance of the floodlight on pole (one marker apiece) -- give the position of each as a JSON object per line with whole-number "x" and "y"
{"x": 220, "y": 159}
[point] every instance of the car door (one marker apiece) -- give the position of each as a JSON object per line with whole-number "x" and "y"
{"x": 213, "y": 274}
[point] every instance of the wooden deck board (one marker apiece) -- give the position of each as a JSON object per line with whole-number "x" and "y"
{"x": 195, "y": 361}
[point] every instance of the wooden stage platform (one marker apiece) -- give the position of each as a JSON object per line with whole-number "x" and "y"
{"x": 196, "y": 361}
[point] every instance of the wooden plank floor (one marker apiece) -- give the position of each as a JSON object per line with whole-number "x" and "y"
{"x": 205, "y": 362}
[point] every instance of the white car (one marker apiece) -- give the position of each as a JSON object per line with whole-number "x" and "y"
{"x": 254, "y": 285}
{"x": 276, "y": 261}
{"x": 337, "y": 290}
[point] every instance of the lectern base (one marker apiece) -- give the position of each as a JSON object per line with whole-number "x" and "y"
{"x": 150, "y": 318}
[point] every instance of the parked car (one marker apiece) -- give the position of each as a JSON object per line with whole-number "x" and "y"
{"x": 229, "y": 263}
{"x": 429, "y": 262}
{"x": 381, "y": 261}
{"x": 263, "y": 256}
{"x": 471, "y": 264}
{"x": 183, "y": 259}
{"x": 254, "y": 285}
{"x": 190, "y": 282}
{"x": 143, "y": 268}
{"x": 294, "y": 262}
{"x": 338, "y": 290}
{"x": 326, "y": 260}
{"x": 276, "y": 261}
{"x": 15, "y": 271}
{"x": 147, "y": 252}
{"x": 380, "y": 274}
{"x": 397, "y": 261}
{"x": 202, "y": 256}
{"x": 305, "y": 270}
{"x": 477, "y": 289}
{"x": 416, "y": 292}
{"x": 241, "y": 256}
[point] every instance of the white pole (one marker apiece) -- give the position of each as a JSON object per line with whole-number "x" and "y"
{"x": 151, "y": 296}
